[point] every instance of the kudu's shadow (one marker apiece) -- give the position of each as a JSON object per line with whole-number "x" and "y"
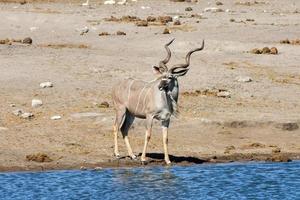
{"x": 174, "y": 159}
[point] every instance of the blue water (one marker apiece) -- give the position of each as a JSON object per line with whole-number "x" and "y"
{"x": 217, "y": 181}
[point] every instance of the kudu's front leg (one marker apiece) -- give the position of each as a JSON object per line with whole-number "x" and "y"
{"x": 149, "y": 120}
{"x": 165, "y": 126}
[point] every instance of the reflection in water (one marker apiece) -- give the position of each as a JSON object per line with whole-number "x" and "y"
{"x": 221, "y": 181}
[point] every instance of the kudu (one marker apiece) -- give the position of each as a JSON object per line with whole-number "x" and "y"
{"x": 149, "y": 100}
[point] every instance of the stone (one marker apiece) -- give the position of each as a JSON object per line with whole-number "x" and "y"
{"x": 104, "y": 104}
{"x": 122, "y": 2}
{"x": 273, "y": 50}
{"x": 121, "y": 33}
{"x": 165, "y": 19}
{"x": 27, "y": 115}
{"x": 289, "y": 126}
{"x": 55, "y": 117}
{"x": 151, "y": 19}
{"x": 177, "y": 23}
{"x": 256, "y": 51}
{"x": 142, "y": 23}
{"x": 109, "y": 2}
{"x": 224, "y": 94}
{"x": 188, "y": 9}
{"x": 38, "y": 157}
{"x": 277, "y": 157}
{"x": 17, "y": 112}
{"x": 104, "y": 34}
{"x": 219, "y": 3}
{"x": 27, "y": 40}
{"x": 228, "y": 149}
{"x": 276, "y": 150}
{"x": 166, "y": 31}
{"x": 84, "y": 30}
{"x": 244, "y": 79}
{"x": 98, "y": 168}
{"x": 36, "y": 103}
{"x": 46, "y": 84}
{"x": 266, "y": 50}
{"x": 213, "y": 10}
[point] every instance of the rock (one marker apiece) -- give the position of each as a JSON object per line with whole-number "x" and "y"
{"x": 38, "y": 157}
{"x": 151, "y": 19}
{"x": 166, "y": 31}
{"x": 36, "y": 103}
{"x": 224, "y": 94}
{"x": 177, "y": 23}
{"x": 232, "y": 20}
{"x": 104, "y": 34}
{"x": 104, "y": 104}
{"x": 17, "y": 112}
{"x": 244, "y": 79}
{"x": 256, "y": 51}
{"x": 109, "y": 2}
{"x": 121, "y": 33}
{"x": 55, "y": 117}
{"x": 27, "y": 115}
{"x": 27, "y": 40}
{"x": 277, "y": 157}
{"x": 16, "y": 40}
{"x": 46, "y": 84}
{"x": 266, "y": 50}
{"x": 228, "y": 149}
{"x": 256, "y": 145}
{"x": 165, "y": 19}
{"x": 289, "y": 126}
{"x": 142, "y": 23}
{"x": 219, "y": 3}
{"x": 274, "y": 51}
{"x": 286, "y": 41}
{"x": 122, "y": 2}
{"x": 188, "y": 9}
{"x": 12, "y": 105}
{"x": 213, "y": 10}
{"x": 98, "y": 168}
{"x": 276, "y": 150}
{"x": 84, "y": 30}
{"x": 6, "y": 41}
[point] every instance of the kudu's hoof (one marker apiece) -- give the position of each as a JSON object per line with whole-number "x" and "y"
{"x": 168, "y": 163}
{"x": 145, "y": 162}
{"x": 117, "y": 156}
{"x": 133, "y": 157}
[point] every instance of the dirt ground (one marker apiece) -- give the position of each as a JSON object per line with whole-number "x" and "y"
{"x": 259, "y": 121}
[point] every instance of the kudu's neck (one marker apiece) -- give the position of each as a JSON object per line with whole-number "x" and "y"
{"x": 169, "y": 95}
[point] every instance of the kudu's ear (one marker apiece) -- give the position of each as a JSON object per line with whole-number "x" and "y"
{"x": 157, "y": 70}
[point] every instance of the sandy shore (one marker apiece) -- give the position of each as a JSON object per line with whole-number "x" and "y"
{"x": 259, "y": 121}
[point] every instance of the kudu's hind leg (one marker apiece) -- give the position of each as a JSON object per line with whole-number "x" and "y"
{"x": 124, "y": 129}
{"x": 120, "y": 116}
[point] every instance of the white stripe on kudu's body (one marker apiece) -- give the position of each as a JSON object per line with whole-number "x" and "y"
{"x": 149, "y": 100}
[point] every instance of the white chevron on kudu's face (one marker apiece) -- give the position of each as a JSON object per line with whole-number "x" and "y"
{"x": 149, "y": 100}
